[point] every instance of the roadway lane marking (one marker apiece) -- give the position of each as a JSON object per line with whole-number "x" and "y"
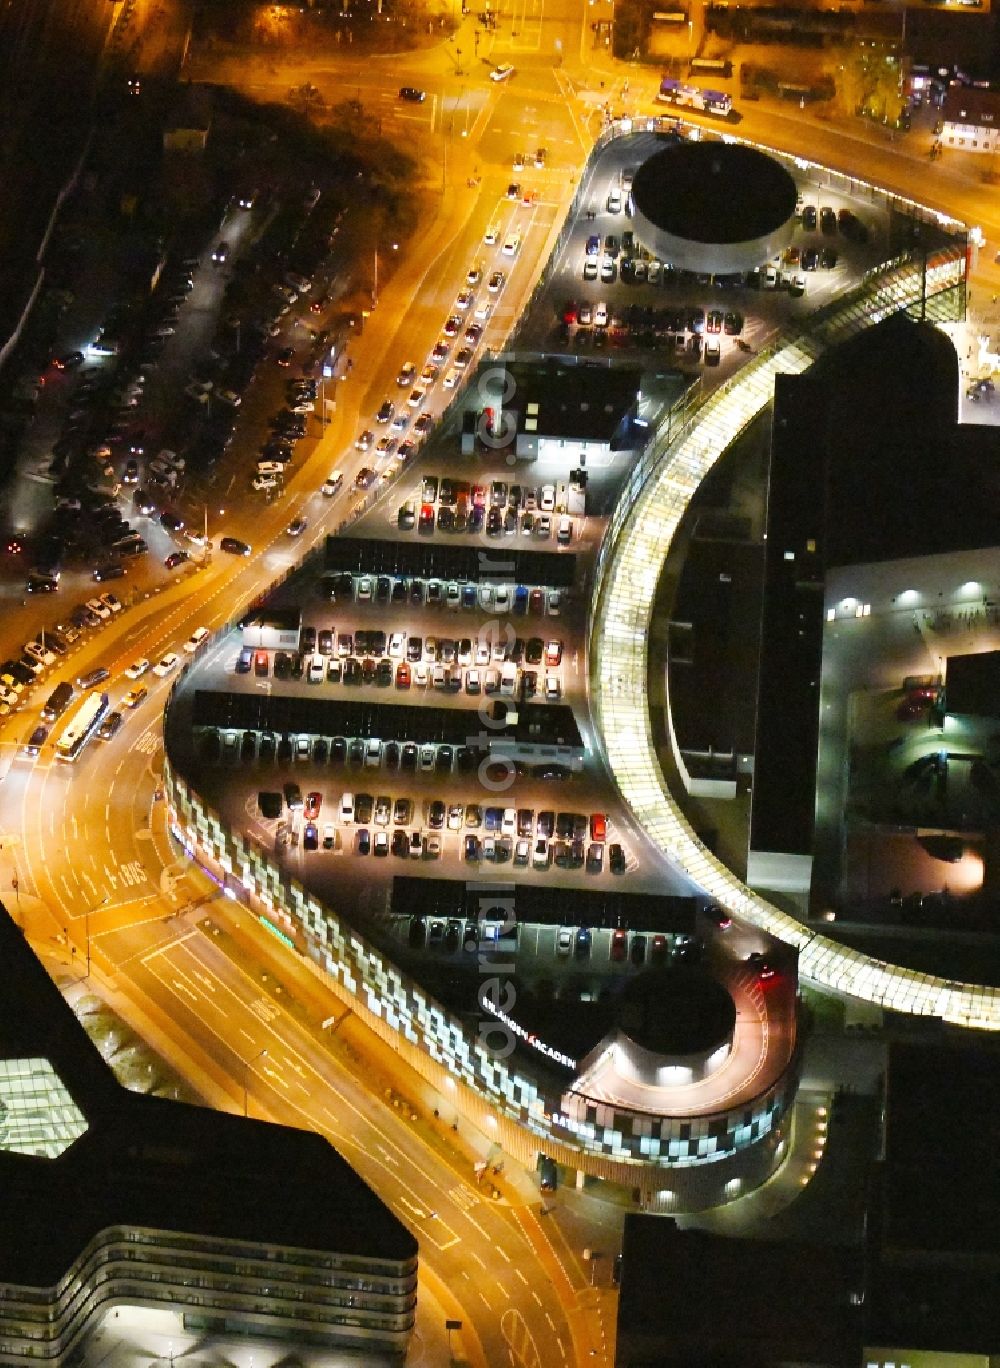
{"x": 521, "y": 1276}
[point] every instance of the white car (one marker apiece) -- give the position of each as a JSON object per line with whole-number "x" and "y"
{"x": 553, "y": 689}
{"x": 509, "y": 824}
{"x": 564, "y": 940}
{"x": 330, "y": 485}
{"x": 502, "y": 72}
{"x": 230, "y": 397}
{"x": 262, "y": 482}
{"x": 547, "y": 502}
{"x": 396, "y": 644}
{"x": 317, "y": 669}
{"x": 40, "y": 653}
{"x": 137, "y": 669}
{"x": 464, "y": 299}
{"x": 492, "y": 235}
{"x": 600, "y": 316}
{"x": 452, "y": 378}
{"x": 416, "y": 397}
{"x": 512, "y": 245}
{"x": 483, "y": 310}
{"x": 101, "y": 609}
{"x": 406, "y": 373}
{"x": 347, "y": 808}
{"x": 169, "y": 662}
{"x": 456, "y": 816}
{"x": 614, "y": 200}
{"x": 195, "y": 639}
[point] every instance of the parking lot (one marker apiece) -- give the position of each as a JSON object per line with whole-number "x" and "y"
{"x": 608, "y": 296}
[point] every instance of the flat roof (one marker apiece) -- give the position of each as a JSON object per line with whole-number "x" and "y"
{"x": 934, "y": 1240}
{"x": 885, "y": 437}
{"x": 714, "y": 192}
{"x": 712, "y": 660}
{"x": 942, "y": 1119}
{"x": 784, "y": 794}
{"x": 286, "y": 617}
{"x": 691, "y": 1299}
{"x": 559, "y": 398}
{"x": 972, "y": 684}
{"x": 149, "y": 1161}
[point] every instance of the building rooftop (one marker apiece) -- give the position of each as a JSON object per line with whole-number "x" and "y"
{"x": 555, "y": 398}
{"x": 148, "y": 1161}
{"x": 973, "y": 684}
{"x": 934, "y": 1246}
{"x": 714, "y": 192}
{"x": 690, "y": 1299}
{"x": 971, "y": 105}
{"x": 791, "y": 630}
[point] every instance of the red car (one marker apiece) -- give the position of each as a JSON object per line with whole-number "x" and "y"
{"x": 598, "y": 826}
{"x": 553, "y": 652}
{"x": 619, "y": 944}
{"x": 314, "y": 802}
{"x": 764, "y": 969}
{"x": 569, "y": 311}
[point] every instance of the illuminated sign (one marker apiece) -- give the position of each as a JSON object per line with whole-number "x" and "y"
{"x": 529, "y": 1037}
{"x": 279, "y": 935}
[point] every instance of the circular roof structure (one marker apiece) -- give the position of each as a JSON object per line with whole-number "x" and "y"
{"x": 713, "y": 206}
{"x": 679, "y": 1010}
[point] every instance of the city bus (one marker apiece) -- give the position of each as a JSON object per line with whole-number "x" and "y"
{"x": 715, "y": 102}
{"x": 82, "y": 727}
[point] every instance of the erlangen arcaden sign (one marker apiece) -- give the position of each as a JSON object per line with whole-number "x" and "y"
{"x": 528, "y": 1037}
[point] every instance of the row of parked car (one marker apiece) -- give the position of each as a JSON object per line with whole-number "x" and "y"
{"x": 489, "y": 596}
{"x": 431, "y": 757}
{"x": 453, "y": 934}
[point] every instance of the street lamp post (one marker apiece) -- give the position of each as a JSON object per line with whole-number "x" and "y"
{"x": 248, "y": 1065}
{"x": 395, "y": 247}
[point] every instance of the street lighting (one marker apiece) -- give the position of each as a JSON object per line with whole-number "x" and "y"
{"x": 248, "y": 1065}
{"x": 395, "y": 248}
